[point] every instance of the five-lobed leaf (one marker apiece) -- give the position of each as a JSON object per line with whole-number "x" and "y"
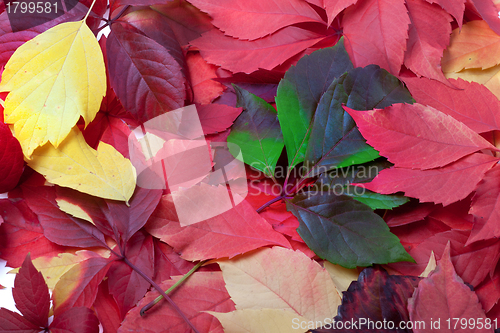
{"x": 53, "y": 79}
{"x": 257, "y": 133}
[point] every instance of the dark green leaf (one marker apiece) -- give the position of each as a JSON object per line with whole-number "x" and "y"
{"x": 335, "y": 140}
{"x": 344, "y": 231}
{"x": 299, "y": 94}
{"x": 372, "y": 87}
{"x": 257, "y": 133}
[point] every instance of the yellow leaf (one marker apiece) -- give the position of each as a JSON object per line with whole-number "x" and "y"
{"x": 53, "y": 79}
{"x": 431, "y": 265}
{"x": 283, "y": 279}
{"x": 475, "y": 46}
{"x": 104, "y": 173}
{"x": 262, "y": 321}
{"x": 341, "y": 276}
{"x": 490, "y": 77}
{"x": 74, "y": 210}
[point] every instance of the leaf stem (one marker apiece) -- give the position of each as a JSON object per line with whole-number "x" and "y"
{"x": 169, "y": 290}
{"x": 270, "y": 202}
{"x": 90, "y": 9}
{"x": 157, "y": 287}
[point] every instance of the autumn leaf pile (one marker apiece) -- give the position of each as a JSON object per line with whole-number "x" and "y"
{"x": 369, "y": 130}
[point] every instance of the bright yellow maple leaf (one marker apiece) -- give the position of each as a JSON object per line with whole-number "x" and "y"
{"x": 53, "y": 79}
{"x": 104, "y": 173}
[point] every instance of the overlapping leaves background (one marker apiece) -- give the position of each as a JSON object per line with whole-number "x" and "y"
{"x": 406, "y": 89}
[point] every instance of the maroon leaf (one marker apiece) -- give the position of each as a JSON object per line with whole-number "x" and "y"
{"x": 217, "y": 117}
{"x": 127, "y": 220}
{"x": 58, "y": 226}
{"x": 168, "y": 263}
{"x": 106, "y": 309}
{"x": 11, "y": 159}
{"x": 376, "y": 296}
{"x": 125, "y": 284}
{"x": 13, "y": 322}
{"x": 31, "y": 294}
{"x": 75, "y": 320}
{"x": 21, "y": 233}
{"x": 147, "y": 80}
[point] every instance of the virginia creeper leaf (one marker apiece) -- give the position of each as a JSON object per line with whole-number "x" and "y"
{"x": 106, "y": 309}
{"x": 469, "y": 102}
{"x": 455, "y": 8}
{"x": 417, "y": 136}
{"x": 231, "y": 233}
{"x": 257, "y": 133}
{"x": 252, "y": 20}
{"x": 14, "y": 322}
{"x": 429, "y": 34}
{"x": 75, "y": 320}
{"x": 204, "y": 291}
{"x": 488, "y": 12}
{"x": 46, "y": 96}
{"x": 248, "y": 56}
{"x": 216, "y": 117}
{"x": 201, "y": 73}
{"x": 441, "y": 185}
{"x": 345, "y": 231}
{"x": 104, "y": 173}
{"x": 443, "y": 295}
{"x": 484, "y": 207}
{"x": 299, "y": 94}
{"x": 376, "y": 32}
{"x": 156, "y": 83}
{"x": 474, "y": 46}
{"x": 282, "y": 279}
{"x": 31, "y": 294}
{"x": 11, "y": 159}
{"x": 376, "y": 296}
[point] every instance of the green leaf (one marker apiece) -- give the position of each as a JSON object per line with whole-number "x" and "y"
{"x": 299, "y": 93}
{"x": 344, "y": 231}
{"x": 372, "y": 87}
{"x": 335, "y": 140}
{"x": 375, "y": 200}
{"x": 257, "y": 133}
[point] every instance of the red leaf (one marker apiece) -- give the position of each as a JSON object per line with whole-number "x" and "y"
{"x": 489, "y": 13}
{"x": 409, "y": 213}
{"x": 334, "y": 7}
{"x": 11, "y": 159}
{"x": 454, "y": 7}
{"x": 247, "y": 56}
{"x": 21, "y": 233}
{"x": 147, "y": 80}
{"x": 442, "y": 185}
{"x": 203, "y": 291}
{"x": 78, "y": 286}
{"x": 216, "y": 117}
{"x": 429, "y": 34}
{"x": 75, "y": 320}
{"x": 489, "y": 291}
{"x": 125, "y": 284}
{"x": 58, "y": 226}
{"x": 106, "y": 309}
{"x": 473, "y": 262}
{"x": 375, "y": 33}
{"x": 417, "y": 136}
{"x": 13, "y": 322}
{"x": 127, "y": 220}
{"x": 486, "y": 207}
{"x": 255, "y": 19}
{"x": 442, "y": 296}
{"x": 168, "y": 263}
{"x": 116, "y": 134}
{"x": 231, "y": 233}
{"x": 470, "y": 102}
{"x": 31, "y": 294}
{"x": 201, "y": 73}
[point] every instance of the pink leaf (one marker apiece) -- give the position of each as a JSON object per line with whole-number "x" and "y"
{"x": 375, "y": 33}
{"x": 442, "y": 185}
{"x": 417, "y": 136}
